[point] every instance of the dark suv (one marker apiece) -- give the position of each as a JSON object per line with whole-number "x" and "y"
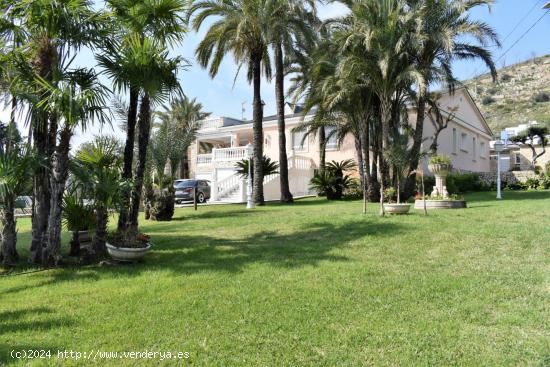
{"x": 184, "y": 190}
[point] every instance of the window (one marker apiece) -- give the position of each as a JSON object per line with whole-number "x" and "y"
{"x": 518, "y": 160}
{"x": 298, "y": 141}
{"x": 474, "y": 148}
{"x": 482, "y": 152}
{"x": 332, "y": 141}
{"x": 463, "y": 142}
{"x": 455, "y": 142}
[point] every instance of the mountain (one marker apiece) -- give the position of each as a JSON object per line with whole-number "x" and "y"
{"x": 521, "y": 94}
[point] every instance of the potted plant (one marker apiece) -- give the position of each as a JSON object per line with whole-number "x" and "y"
{"x": 440, "y": 166}
{"x": 79, "y": 219}
{"x": 99, "y": 168}
{"x": 128, "y": 245}
{"x": 392, "y": 207}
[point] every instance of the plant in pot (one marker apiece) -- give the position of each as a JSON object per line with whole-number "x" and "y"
{"x": 440, "y": 166}
{"x": 99, "y": 169}
{"x": 79, "y": 218}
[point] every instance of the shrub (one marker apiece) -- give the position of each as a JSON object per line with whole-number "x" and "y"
{"x": 505, "y": 78}
{"x": 488, "y": 100}
{"x": 465, "y": 182}
{"x": 354, "y": 191}
{"x": 541, "y": 97}
{"x": 389, "y": 194}
{"x": 440, "y": 159}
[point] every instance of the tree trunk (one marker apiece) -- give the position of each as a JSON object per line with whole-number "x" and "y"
{"x": 322, "y": 149}
{"x": 8, "y": 235}
{"x": 143, "y": 143}
{"x": 128, "y": 156}
{"x": 286, "y": 195}
{"x": 44, "y": 64}
{"x": 98, "y": 242}
{"x": 359, "y": 152}
{"x": 258, "y": 139}
{"x": 382, "y": 166}
{"x": 410, "y": 183}
{"x": 51, "y": 250}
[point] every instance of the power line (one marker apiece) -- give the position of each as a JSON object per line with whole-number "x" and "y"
{"x": 519, "y": 39}
{"x": 521, "y": 21}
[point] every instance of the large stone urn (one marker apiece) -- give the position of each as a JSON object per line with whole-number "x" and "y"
{"x": 440, "y": 171}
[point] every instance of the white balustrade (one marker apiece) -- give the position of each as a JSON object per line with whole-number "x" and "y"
{"x": 229, "y": 154}
{"x": 204, "y": 158}
{"x": 228, "y": 184}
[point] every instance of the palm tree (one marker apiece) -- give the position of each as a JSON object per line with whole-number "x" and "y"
{"x": 292, "y": 22}
{"x": 182, "y": 115}
{"x": 268, "y": 166}
{"x": 77, "y": 100}
{"x": 16, "y": 166}
{"x": 161, "y": 21}
{"x": 241, "y": 28}
{"x": 380, "y": 35}
{"x": 447, "y": 34}
{"x": 98, "y": 169}
{"x": 37, "y": 25}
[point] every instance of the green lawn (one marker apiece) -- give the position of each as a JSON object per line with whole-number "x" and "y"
{"x": 315, "y": 284}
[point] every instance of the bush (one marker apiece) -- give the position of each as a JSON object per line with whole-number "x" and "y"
{"x": 488, "y": 100}
{"x": 466, "y": 182}
{"x": 505, "y": 78}
{"x": 541, "y": 97}
{"x": 354, "y": 191}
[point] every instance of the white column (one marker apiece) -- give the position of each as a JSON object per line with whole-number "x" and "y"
{"x": 242, "y": 190}
{"x": 214, "y": 185}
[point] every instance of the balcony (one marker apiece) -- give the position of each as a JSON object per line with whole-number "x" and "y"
{"x": 220, "y": 155}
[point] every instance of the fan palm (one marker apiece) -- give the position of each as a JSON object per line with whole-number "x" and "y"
{"x": 124, "y": 60}
{"x": 98, "y": 169}
{"x": 241, "y": 28}
{"x": 47, "y": 34}
{"x": 77, "y": 100}
{"x": 15, "y": 176}
{"x": 268, "y": 166}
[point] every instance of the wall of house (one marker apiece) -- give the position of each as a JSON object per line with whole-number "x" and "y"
{"x": 526, "y": 155}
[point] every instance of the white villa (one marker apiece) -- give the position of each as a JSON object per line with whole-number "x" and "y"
{"x": 222, "y": 141}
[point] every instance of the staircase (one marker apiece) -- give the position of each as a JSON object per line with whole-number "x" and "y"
{"x": 233, "y": 189}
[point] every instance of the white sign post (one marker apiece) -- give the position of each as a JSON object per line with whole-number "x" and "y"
{"x": 249, "y": 199}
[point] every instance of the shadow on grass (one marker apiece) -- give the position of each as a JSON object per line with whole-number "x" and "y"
{"x": 23, "y": 320}
{"x": 196, "y": 253}
{"x": 54, "y": 277}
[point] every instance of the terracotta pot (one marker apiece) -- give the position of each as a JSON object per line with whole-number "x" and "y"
{"x": 397, "y": 208}
{"x": 127, "y": 254}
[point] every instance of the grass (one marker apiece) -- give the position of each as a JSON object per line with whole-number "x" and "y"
{"x": 315, "y": 283}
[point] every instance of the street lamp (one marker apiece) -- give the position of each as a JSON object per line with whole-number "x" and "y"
{"x": 249, "y": 155}
{"x": 499, "y": 147}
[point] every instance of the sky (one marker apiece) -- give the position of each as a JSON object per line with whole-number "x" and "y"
{"x": 226, "y": 96}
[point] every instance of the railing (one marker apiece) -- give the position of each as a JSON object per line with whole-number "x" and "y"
{"x": 229, "y": 154}
{"x": 211, "y": 124}
{"x": 227, "y": 185}
{"x": 204, "y": 159}
{"x": 299, "y": 163}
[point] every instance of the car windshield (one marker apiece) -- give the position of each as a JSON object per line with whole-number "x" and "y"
{"x": 188, "y": 183}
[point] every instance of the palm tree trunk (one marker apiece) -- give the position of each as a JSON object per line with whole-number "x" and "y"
{"x": 128, "y": 156}
{"x": 44, "y": 63}
{"x": 143, "y": 143}
{"x": 258, "y": 139}
{"x": 410, "y": 183}
{"x": 322, "y": 148}
{"x": 286, "y": 195}
{"x": 99, "y": 240}
{"x": 359, "y": 152}
{"x": 51, "y": 250}
{"x": 386, "y": 119}
{"x": 8, "y": 234}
